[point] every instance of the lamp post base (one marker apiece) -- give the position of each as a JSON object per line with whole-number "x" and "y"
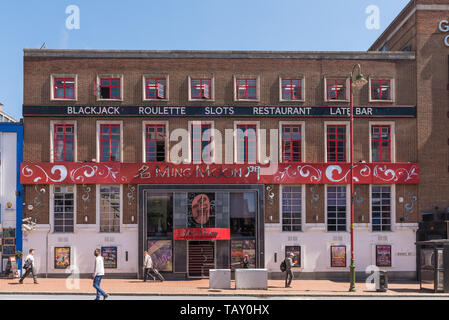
{"x": 352, "y": 277}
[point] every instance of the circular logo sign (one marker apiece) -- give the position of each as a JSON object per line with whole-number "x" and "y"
{"x": 201, "y": 208}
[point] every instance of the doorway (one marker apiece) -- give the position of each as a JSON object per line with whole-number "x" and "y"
{"x": 201, "y": 258}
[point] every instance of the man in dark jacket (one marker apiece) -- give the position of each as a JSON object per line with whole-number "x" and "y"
{"x": 29, "y": 267}
{"x": 288, "y": 270}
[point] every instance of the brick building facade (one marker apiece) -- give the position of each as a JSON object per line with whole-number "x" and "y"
{"x": 98, "y": 173}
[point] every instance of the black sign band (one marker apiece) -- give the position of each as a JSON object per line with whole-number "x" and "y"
{"x": 221, "y": 111}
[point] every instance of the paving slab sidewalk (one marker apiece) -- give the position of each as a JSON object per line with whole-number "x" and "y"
{"x": 201, "y": 288}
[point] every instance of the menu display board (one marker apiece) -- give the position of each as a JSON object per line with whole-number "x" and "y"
{"x": 161, "y": 254}
{"x": 240, "y": 248}
{"x": 296, "y": 250}
{"x": 62, "y": 257}
{"x": 383, "y": 256}
{"x": 338, "y": 256}
{"x": 109, "y": 255}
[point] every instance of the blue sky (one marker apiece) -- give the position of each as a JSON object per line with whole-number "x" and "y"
{"x": 299, "y": 25}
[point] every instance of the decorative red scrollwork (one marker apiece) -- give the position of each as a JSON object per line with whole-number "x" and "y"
{"x": 166, "y": 173}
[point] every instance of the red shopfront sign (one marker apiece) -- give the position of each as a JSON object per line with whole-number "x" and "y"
{"x": 163, "y": 173}
{"x": 202, "y": 234}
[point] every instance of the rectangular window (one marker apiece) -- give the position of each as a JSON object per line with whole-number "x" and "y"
{"x": 200, "y": 89}
{"x": 64, "y": 142}
{"x": 109, "y": 208}
{"x": 156, "y": 88}
{"x": 110, "y": 88}
{"x": 63, "y": 209}
{"x": 336, "y": 89}
{"x": 291, "y": 89}
{"x": 246, "y": 143}
{"x": 336, "y": 208}
{"x": 381, "y": 90}
{"x": 109, "y": 142}
{"x": 243, "y": 206}
{"x": 291, "y": 143}
{"x": 64, "y": 88}
{"x": 381, "y": 208}
{"x": 159, "y": 208}
{"x": 155, "y": 139}
{"x": 381, "y": 143}
{"x": 201, "y": 143}
{"x": 336, "y": 143}
{"x": 246, "y": 89}
{"x": 291, "y": 208}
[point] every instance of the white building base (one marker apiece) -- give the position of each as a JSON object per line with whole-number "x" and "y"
{"x": 316, "y": 245}
{"x": 82, "y": 244}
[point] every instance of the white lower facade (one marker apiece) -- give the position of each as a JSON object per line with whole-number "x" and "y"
{"x": 82, "y": 243}
{"x": 316, "y": 245}
{"x": 8, "y": 186}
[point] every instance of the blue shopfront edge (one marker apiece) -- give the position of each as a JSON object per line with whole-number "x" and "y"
{"x": 18, "y": 129}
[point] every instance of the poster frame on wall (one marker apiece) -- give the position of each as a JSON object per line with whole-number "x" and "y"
{"x": 297, "y": 248}
{"x": 55, "y": 257}
{"x": 333, "y": 259}
{"x": 167, "y": 241}
{"x": 110, "y": 266}
{"x": 390, "y": 256}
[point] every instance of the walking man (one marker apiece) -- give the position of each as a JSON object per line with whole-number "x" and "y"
{"x": 29, "y": 267}
{"x": 98, "y": 275}
{"x": 288, "y": 270}
{"x": 147, "y": 265}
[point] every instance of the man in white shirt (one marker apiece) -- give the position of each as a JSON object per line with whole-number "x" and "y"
{"x": 98, "y": 275}
{"x": 29, "y": 267}
{"x": 147, "y": 265}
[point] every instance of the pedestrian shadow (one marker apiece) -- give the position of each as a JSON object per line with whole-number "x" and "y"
{"x": 14, "y": 283}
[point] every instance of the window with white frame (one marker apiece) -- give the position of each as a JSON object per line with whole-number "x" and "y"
{"x": 381, "y": 143}
{"x": 64, "y": 87}
{"x": 109, "y": 87}
{"x": 381, "y": 89}
{"x": 336, "y": 208}
{"x": 246, "y": 88}
{"x": 201, "y": 142}
{"x": 63, "y": 142}
{"x": 291, "y": 208}
{"x": 63, "y": 209}
{"x": 201, "y": 88}
{"x": 337, "y": 89}
{"x": 291, "y": 142}
{"x": 110, "y": 142}
{"x": 155, "y": 142}
{"x": 381, "y": 208}
{"x": 246, "y": 143}
{"x": 109, "y": 208}
{"x": 336, "y": 143}
{"x": 292, "y": 89}
{"x": 155, "y": 88}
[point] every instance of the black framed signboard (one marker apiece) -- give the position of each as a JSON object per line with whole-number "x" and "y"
{"x": 383, "y": 255}
{"x": 296, "y": 250}
{"x": 220, "y": 111}
{"x": 338, "y": 256}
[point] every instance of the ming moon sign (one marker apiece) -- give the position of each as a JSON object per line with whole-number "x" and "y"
{"x": 201, "y": 208}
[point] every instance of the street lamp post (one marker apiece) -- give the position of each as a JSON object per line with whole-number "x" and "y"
{"x": 359, "y": 81}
